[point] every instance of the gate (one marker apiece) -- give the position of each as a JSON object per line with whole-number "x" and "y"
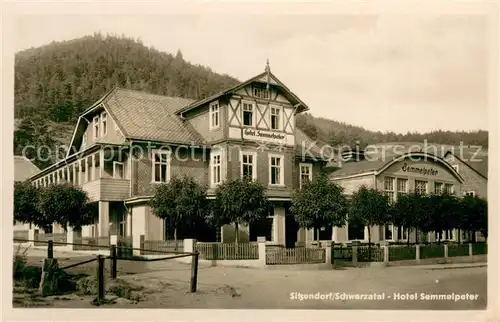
{"x": 341, "y": 254}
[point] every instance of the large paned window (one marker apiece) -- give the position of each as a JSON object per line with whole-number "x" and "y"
{"x": 161, "y": 166}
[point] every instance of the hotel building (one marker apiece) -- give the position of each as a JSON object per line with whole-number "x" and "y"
{"x": 128, "y": 142}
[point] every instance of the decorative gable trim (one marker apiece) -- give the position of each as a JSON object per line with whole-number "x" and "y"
{"x": 299, "y": 104}
{"x": 110, "y": 116}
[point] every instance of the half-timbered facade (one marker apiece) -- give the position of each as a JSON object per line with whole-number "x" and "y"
{"x": 128, "y": 142}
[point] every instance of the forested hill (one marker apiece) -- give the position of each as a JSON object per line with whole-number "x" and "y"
{"x": 338, "y": 133}
{"x": 60, "y": 80}
{"x": 56, "y": 82}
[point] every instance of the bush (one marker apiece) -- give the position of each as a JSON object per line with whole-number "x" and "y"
{"x": 31, "y": 276}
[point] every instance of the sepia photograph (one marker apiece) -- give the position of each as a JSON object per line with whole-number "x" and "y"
{"x": 206, "y": 160}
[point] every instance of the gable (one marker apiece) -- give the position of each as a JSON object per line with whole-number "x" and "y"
{"x": 262, "y": 78}
{"x": 96, "y": 121}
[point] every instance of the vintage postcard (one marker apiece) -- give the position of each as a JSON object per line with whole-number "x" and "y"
{"x": 304, "y": 161}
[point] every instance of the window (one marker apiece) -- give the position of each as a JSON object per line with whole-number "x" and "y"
{"x": 455, "y": 166}
{"x": 305, "y": 173}
{"x": 96, "y": 127}
{"x": 420, "y": 186}
{"x": 403, "y": 233}
{"x": 389, "y": 187}
{"x": 104, "y": 123}
{"x": 216, "y": 168}
{"x": 402, "y": 186}
{"x": 83, "y": 171}
{"x": 71, "y": 175}
{"x": 161, "y": 166}
{"x": 470, "y": 193}
{"x": 446, "y": 235}
{"x": 247, "y": 114}
{"x": 260, "y": 92}
{"x": 90, "y": 169}
{"x": 248, "y": 168}
{"x": 84, "y": 140}
{"x": 449, "y": 189}
{"x": 438, "y": 187}
{"x": 275, "y": 118}
{"x": 276, "y": 174}
{"x": 66, "y": 175}
{"x": 214, "y": 115}
{"x": 118, "y": 170}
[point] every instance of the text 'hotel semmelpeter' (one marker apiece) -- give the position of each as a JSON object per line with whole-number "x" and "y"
{"x": 128, "y": 142}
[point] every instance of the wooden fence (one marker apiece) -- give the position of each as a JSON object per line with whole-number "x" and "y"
{"x": 161, "y": 245}
{"x": 227, "y": 251}
{"x": 299, "y": 255}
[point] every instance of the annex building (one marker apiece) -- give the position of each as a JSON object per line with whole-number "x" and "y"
{"x": 396, "y": 175}
{"x": 128, "y": 142}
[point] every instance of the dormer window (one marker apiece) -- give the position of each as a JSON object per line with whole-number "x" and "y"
{"x": 214, "y": 115}
{"x": 260, "y": 92}
{"x": 247, "y": 114}
{"x": 96, "y": 127}
{"x": 104, "y": 123}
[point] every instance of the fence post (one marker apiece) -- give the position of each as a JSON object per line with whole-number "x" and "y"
{"x": 417, "y": 253}
{"x": 194, "y": 271}
{"x": 137, "y": 241}
{"x": 100, "y": 278}
{"x": 355, "y": 245}
{"x": 261, "y": 243}
{"x": 470, "y": 249}
{"x": 385, "y": 246}
{"x": 50, "y": 249}
{"x": 328, "y": 252}
{"x": 445, "y": 251}
{"x": 113, "y": 261}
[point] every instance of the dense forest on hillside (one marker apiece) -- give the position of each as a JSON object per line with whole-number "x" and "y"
{"x": 56, "y": 82}
{"x": 339, "y": 133}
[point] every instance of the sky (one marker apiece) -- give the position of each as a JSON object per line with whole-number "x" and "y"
{"x": 382, "y": 72}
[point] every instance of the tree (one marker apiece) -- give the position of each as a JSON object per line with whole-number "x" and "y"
{"x": 180, "y": 201}
{"x": 66, "y": 205}
{"x": 473, "y": 215}
{"x": 411, "y": 211}
{"x": 318, "y": 204}
{"x": 443, "y": 213}
{"x": 369, "y": 207}
{"x": 26, "y": 198}
{"x": 239, "y": 202}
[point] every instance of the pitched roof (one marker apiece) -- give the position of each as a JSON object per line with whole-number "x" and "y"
{"x": 151, "y": 117}
{"x": 24, "y": 168}
{"x": 359, "y": 167}
{"x": 478, "y": 164}
{"x": 273, "y": 80}
{"x": 302, "y": 140}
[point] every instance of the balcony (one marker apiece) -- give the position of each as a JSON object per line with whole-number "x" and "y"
{"x": 108, "y": 189}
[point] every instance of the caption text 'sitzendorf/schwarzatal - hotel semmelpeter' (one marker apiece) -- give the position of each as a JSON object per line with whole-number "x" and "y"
{"x": 245, "y": 130}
